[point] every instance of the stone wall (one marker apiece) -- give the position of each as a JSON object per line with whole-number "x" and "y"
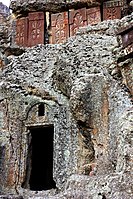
{"x": 82, "y": 85}
{"x": 38, "y": 23}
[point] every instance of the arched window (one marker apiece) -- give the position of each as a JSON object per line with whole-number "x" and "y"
{"x": 41, "y": 110}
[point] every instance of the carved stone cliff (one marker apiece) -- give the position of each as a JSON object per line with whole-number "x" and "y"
{"x": 66, "y": 113}
{"x": 85, "y": 86}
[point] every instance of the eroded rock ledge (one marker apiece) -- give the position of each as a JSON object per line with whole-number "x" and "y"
{"x": 50, "y": 5}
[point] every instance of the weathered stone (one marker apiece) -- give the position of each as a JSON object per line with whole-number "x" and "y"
{"x": 49, "y": 5}
{"x": 11, "y": 197}
{"x": 89, "y": 106}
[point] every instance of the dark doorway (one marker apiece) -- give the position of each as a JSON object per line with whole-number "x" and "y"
{"x": 41, "y": 177}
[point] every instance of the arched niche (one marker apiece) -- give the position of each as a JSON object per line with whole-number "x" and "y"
{"x": 48, "y": 117}
{"x": 40, "y": 148}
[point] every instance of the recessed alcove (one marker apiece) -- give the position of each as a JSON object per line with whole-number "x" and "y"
{"x": 40, "y": 160}
{"x": 41, "y": 110}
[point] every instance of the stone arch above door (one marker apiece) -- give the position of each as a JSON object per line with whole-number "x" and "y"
{"x": 38, "y": 113}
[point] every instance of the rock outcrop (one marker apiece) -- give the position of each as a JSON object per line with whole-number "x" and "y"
{"x": 49, "y": 5}
{"x": 5, "y": 31}
{"x": 86, "y": 86}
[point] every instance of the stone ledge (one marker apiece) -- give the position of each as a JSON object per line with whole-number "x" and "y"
{"x": 49, "y": 5}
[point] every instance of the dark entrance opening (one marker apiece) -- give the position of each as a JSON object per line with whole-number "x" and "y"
{"x": 41, "y": 177}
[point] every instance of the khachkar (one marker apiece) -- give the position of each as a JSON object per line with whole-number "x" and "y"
{"x": 53, "y": 22}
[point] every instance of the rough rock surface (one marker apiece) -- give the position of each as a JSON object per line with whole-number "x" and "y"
{"x": 11, "y": 197}
{"x": 5, "y": 32}
{"x": 86, "y": 87}
{"x": 48, "y": 5}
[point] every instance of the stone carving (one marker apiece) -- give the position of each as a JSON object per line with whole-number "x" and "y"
{"x": 115, "y": 3}
{"x": 112, "y": 9}
{"x": 77, "y": 19}
{"x": 112, "y": 13}
{"x": 93, "y": 15}
{"x": 36, "y": 28}
{"x": 59, "y": 28}
{"x": 88, "y": 101}
{"x": 21, "y": 32}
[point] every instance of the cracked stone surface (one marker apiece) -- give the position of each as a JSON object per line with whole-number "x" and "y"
{"x": 86, "y": 88}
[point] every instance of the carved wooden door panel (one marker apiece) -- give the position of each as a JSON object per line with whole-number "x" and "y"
{"x": 77, "y": 19}
{"x": 36, "y": 28}
{"x": 21, "y": 38}
{"x": 93, "y": 15}
{"x": 59, "y": 28}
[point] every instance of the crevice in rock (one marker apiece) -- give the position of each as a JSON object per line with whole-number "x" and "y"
{"x": 87, "y": 156}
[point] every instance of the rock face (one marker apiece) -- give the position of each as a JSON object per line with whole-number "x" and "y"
{"x": 4, "y": 14}
{"x": 49, "y": 5}
{"x": 85, "y": 88}
{"x": 4, "y": 31}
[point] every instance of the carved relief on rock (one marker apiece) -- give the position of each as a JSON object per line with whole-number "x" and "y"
{"x": 112, "y": 9}
{"x": 93, "y": 15}
{"x": 116, "y": 3}
{"x": 77, "y": 19}
{"x": 21, "y": 32}
{"x": 59, "y": 27}
{"x": 112, "y": 13}
{"x": 36, "y": 28}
